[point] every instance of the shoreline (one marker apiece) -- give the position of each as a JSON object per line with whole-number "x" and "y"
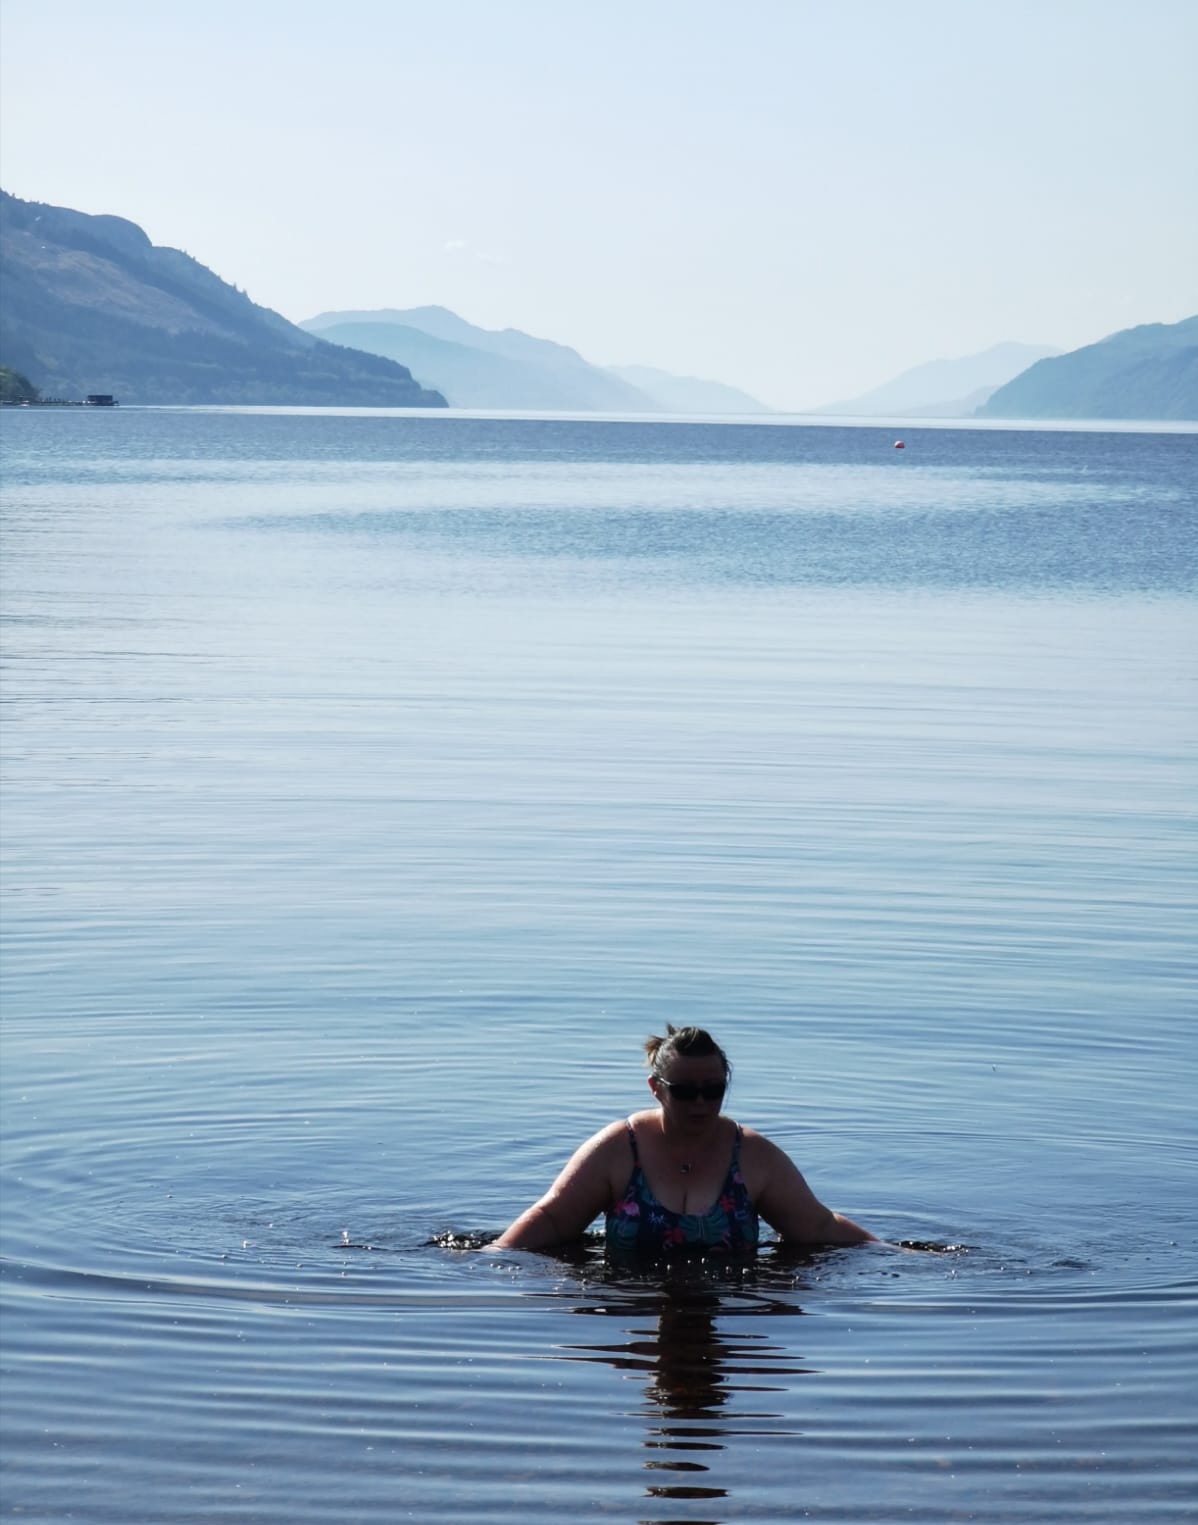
{"x": 60, "y": 402}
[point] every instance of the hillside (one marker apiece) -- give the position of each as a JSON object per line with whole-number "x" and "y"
{"x": 943, "y": 388}
{"x": 483, "y": 368}
{"x": 1149, "y": 372}
{"x": 89, "y": 304}
{"x": 687, "y": 394}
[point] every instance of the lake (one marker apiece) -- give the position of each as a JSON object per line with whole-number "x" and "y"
{"x": 374, "y": 785}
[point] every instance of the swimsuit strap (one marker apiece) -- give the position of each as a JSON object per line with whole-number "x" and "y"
{"x": 636, "y": 1155}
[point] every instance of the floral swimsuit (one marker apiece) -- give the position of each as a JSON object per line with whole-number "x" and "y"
{"x": 640, "y": 1222}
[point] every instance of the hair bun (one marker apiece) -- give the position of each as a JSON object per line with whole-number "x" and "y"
{"x": 690, "y": 1042}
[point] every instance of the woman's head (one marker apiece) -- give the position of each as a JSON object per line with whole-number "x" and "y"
{"x": 683, "y": 1042}
{"x": 685, "y": 1056}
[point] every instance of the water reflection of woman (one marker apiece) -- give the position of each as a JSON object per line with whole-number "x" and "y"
{"x": 681, "y": 1177}
{"x": 695, "y": 1374}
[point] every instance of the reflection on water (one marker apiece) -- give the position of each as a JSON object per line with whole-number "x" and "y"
{"x": 696, "y": 1379}
{"x": 704, "y": 1382}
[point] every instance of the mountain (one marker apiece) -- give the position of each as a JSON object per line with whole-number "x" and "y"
{"x": 687, "y": 394}
{"x": 16, "y": 388}
{"x": 89, "y": 304}
{"x": 944, "y": 388}
{"x": 481, "y": 367}
{"x": 1149, "y": 372}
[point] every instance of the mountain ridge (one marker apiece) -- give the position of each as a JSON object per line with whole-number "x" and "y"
{"x": 947, "y": 388}
{"x": 482, "y": 368}
{"x": 688, "y": 394}
{"x": 507, "y": 368}
{"x": 1146, "y": 372}
{"x": 89, "y": 304}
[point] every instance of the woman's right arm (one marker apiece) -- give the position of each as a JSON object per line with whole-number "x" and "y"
{"x": 581, "y": 1192}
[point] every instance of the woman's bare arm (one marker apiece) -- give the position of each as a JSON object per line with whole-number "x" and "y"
{"x": 581, "y": 1192}
{"x": 790, "y": 1207}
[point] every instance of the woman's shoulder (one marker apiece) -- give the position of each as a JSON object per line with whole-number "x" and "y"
{"x": 609, "y": 1139}
{"x": 756, "y": 1148}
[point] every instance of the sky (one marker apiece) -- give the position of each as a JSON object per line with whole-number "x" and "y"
{"x": 796, "y": 197}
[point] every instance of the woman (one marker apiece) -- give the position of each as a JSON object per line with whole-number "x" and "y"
{"x": 683, "y": 1177}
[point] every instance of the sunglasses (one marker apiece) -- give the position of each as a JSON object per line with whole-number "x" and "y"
{"x": 687, "y": 1090}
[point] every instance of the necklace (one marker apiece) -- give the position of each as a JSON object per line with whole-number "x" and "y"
{"x": 685, "y": 1166}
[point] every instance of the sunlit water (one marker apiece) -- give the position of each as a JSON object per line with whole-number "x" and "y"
{"x": 374, "y": 784}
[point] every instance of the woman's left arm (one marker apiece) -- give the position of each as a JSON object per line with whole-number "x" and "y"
{"x": 793, "y": 1210}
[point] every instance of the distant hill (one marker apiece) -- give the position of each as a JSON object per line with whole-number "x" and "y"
{"x": 687, "y": 394}
{"x": 89, "y": 304}
{"x": 944, "y": 388}
{"x": 16, "y": 388}
{"x": 1149, "y": 372}
{"x": 480, "y": 367}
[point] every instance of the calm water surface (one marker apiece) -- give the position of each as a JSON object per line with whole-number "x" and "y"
{"x": 375, "y": 783}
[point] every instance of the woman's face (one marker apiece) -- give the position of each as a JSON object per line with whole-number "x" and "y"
{"x": 690, "y": 1089}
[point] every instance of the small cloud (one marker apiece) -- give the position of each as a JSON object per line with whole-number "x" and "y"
{"x": 455, "y": 245}
{"x": 490, "y": 259}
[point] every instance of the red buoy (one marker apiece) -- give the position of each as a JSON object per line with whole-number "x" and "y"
{"x": 899, "y": 445}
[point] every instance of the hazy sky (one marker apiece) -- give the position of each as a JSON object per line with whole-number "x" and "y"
{"x": 800, "y": 198}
